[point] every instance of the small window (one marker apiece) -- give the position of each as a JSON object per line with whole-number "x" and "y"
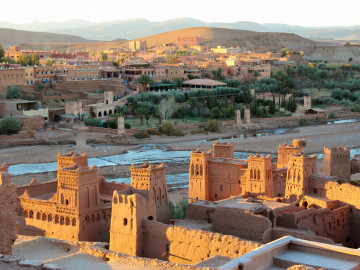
{"x": 125, "y": 221}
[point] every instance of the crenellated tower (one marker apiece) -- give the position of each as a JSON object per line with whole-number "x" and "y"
{"x": 285, "y": 151}
{"x": 198, "y": 175}
{"x": 336, "y": 162}
{"x": 259, "y": 179}
{"x": 129, "y": 207}
{"x": 152, "y": 178}
{"x": 299, "y": 170}
{"x": 223, "y": 150}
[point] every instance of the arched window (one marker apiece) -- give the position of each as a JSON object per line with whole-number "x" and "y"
{"x": 73, "y": 223}
{"x": 26, "y": 213}
{"x": 67, "y": 221}
{"x": 105, "y": 113}
{"x": 38, "y": 215}
{"x": 49, "y": 217}
{"x": 110, "y": 112}
{"x": 62, "y": 220}
{"x": 44, "y": 217}
{"x": 56, "y": 219}
{"x": 201, "y": 169}
{"x": 99, "y": 114}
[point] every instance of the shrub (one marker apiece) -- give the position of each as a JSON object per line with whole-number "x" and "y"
{"x": 179, "y": 132}
{"x": 141, "y": 135}
{"x": 304, "y": 122}
{"x": 356, "y": 109}
{"x": 127, "y": 126}
{"x": 167, "y": 128}
{"x": 317, "y": 101}
{"x": 213, "y": 126}
{"x": 13, "y": 92}
{"x": 331, "y": 115}
{"x": 92, "y": 122}
{"x": 179, "y": 210}
{"x": 122, "y": 110}
{"x": 154, "y": 131}
{"x": 110, "y": 124}
{"x": 10, "y": 125}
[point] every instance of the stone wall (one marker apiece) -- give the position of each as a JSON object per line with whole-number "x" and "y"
{"x": 190, "y": 246}
{"x": 7, "y": 213}
{"x": 36, "y": 189}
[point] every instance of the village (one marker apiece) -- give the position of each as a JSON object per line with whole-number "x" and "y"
{"x": 95, "y": 147}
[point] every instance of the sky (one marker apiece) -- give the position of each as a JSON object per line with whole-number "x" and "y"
{"x": 304, "y": 12}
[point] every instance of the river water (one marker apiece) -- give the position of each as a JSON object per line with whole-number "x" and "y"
{"x": 157, "y": 153}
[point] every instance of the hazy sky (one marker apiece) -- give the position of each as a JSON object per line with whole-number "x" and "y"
{"x": 303, "y": 12}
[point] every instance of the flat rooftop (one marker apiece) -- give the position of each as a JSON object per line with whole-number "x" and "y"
{"x": 249, "y": 204}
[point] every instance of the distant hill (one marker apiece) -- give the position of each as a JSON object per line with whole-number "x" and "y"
{"x": 137, "y": 28}
{"x": 212, "y": 36}
{"x": 15, "y": 37}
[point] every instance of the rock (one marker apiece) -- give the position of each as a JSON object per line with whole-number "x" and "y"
{"x": 49, "y": 266}
{"x": 35, "y": 263}
{"x": 9, "y": 259}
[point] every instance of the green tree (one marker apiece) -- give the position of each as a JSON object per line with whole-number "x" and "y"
{"x": 13, "y": 92}
{"x": 145, "y": 80}
{"x": 291, "y": 105}
{"x": 141, "y": 112}
{"x": 41, "y": 87}
{"x": 10, "y": 125}
{"x": 122, "y": 110}
{"x": 34, "y": 59}
{"x": 177, "y": 82}
{"x": 257, "y": 74}
{"x": 92, "y": 113}
{"x": 217, "y": 74}
{"x": 2, "y": 53}
{"x": 103, "y": 56}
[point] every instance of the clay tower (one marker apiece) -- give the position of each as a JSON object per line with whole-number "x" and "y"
{"x": 285, "y": 150}
{"x": 337, "y": 162}
{"x": 259, "y": 179}
{"x": 299, "y": 170}
{"x": 129, "y": 207}
{"x": 152, "y": 177}
{"x": 198, "y": 175}
{"x": 223, "y": 150}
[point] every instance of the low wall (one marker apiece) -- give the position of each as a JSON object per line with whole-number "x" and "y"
{"x": 38, "y": 188}
{"x": 22, "y": 135}
{"x": 241, "y": 224}
{"x": 189, "y": 246}
{"x": 107, "y": 187}
{"x": 288, "y": 118}
{"x": 276, "y": 233}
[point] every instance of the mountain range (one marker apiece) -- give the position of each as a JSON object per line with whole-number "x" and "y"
{"x": 137, "y": 28}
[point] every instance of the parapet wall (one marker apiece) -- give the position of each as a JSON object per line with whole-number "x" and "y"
{"x": 36, "y": 189}
{"x": 189, "y": 246}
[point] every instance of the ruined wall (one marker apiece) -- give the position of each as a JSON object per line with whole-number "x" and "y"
{"x": 108, "y": 188}
{"x": 7, "y": 213}
{"x": 326, "y": 223}
{"x": 345, "y": 193}
{"x": 355, "y": 166}
{"x": 241, "y": 224}
{"x": 188, "y": 246}
{"x": 276, "y": 233}
{"x": 279, "y": 181}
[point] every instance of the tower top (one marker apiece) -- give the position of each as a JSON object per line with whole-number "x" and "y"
{"x": 71, "y": 159}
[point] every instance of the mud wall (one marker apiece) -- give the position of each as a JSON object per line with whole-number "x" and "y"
{"x": 241, "y": 224}
{"x": 189, "y": 246}
{"x": 7, "y": 213}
